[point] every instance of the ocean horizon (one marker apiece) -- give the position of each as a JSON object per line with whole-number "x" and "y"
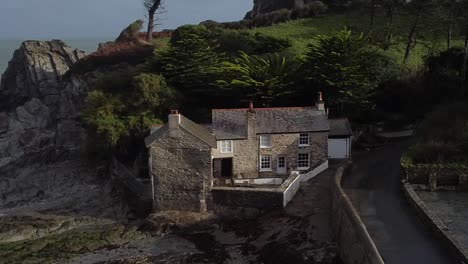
{"x": 8, "y": 47}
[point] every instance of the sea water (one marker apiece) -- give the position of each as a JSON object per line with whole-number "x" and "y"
{"x": 7, "y": 47}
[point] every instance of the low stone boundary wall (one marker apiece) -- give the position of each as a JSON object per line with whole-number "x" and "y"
{"x": 433, "y": 222}
{"x": 435, "y": 176}
{"x": 354, "y": 242}
{"x": 261, "y": 198}
{"x": 261, "y": 181}
{"x": 258, "y": 197}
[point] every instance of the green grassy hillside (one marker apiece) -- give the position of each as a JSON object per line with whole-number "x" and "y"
{"x": 302, "y": 32}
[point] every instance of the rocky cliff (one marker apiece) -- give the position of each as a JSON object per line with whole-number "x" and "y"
{"x": 41, "y": 165}
{"x": 267, "y": 6}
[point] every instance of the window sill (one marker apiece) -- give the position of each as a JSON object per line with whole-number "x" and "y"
{"x": 265, "y": 147}
{"x": 308, "y": 145}
{"x": 303, "y": 169}
{"x": 265, "y": 170}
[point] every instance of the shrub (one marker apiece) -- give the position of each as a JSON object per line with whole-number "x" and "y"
{"x": 443, "y": 76}
{"x": 434, "y": 152}
{"x": 443, "y": 135}
{"x": 265, "y": 80}
{"x": 112, "y": 54}
{"x": 348, "y": 70}
{"x": 234, "y": 41}
{"x": 121, "y": 110}
{"x": 312, "y": 9}
{"x": 272, "y": 18}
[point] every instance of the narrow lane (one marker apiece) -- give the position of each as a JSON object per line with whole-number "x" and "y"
{"x": 375, "y": 189}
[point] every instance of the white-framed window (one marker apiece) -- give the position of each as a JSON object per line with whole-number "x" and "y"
{"x": 304, "y": 139}
{"x": 303, "y": 161}
{"x": 265, "y": 141}
{"x": 265, "y": 163}
{"x": 225, "y": 146}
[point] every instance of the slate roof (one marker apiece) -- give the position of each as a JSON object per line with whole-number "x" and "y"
{"x": 196, "y": 130}
{"x": 231, "y": 123}
{"x": 155, "y": 134}
{"x": 340, "y": 127}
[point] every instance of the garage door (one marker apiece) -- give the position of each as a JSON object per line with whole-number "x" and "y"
{"x": 338, "y": 148}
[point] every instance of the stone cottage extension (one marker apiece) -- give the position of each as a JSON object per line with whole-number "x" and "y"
{"x": 180, "y": 165}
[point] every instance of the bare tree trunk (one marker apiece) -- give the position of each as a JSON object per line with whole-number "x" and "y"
{"x": 464, "y": 68}
{"x": 149, "y": 32}
{"x": 388, "y": 27}
{"x": 450, "y": 25}
{"x": 411, "y": 37}
{"x": 372, "y": 15}
{"x": 151, "y": 12}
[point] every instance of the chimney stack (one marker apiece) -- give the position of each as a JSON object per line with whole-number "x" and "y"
{"x": 320, "y": 103}
{"x": 251, "y": 125}
{"x": 251, "y": 107}
{"x": 174, "y": 122}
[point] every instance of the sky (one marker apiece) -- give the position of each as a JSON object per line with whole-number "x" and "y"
{"x": 88, "y": 19}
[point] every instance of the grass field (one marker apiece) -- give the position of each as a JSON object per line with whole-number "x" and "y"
{"x": 302, "y": 32}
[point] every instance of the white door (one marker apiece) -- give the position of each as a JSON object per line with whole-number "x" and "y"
{"x": 281, "y": 165}
{"x": 338, "y": 148}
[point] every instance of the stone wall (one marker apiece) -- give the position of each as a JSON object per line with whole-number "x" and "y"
{"x": 258, "y": 197}
{"x": 355, "y": 243}
{"x": 245, "y": 161}
{"x": 246, "y": 153}
{"x": 288, "y": 145}
{"x": 182, "y": 172}
{"x": 261, "y": 198}
{"x": 435, "y": 176}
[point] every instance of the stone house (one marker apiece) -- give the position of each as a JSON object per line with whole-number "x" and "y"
{"x": 180, "y": 164}
{"x": 187, "y": 159}
{"x": 268, "y": 142}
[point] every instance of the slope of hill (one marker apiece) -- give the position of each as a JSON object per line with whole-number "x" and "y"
{"x": 303, "y": 31}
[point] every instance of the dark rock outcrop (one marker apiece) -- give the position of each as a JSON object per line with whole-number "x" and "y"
{"x": 41, "y": 135}
{"x": 262, "y": 7}
{"x": 130, "y": 33}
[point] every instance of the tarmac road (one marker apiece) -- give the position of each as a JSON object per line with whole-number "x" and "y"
{"x": 375, "y": 189}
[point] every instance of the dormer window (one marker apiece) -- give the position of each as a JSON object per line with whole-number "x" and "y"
{"x": 265, "y": 141}
{"x": 304, "y": 140}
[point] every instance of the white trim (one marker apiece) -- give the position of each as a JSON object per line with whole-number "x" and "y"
{"x": 308, "y": 161}
{"x": 308, "y": 140}
{"x": 221, "y": 146}
{"x": 311, "y": 174}
{"x": 269, "y": 142}
{"x": 268, "y": 181}
{"x": 260, "y": 164}
{"x": 284, "y": 169}
{"x": 291, "y": 190}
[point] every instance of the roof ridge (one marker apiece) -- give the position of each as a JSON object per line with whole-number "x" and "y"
{"x": 265, "y": 108}
{"x": 197, "y": 133}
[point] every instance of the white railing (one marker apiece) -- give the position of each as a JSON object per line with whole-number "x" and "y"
{"x": 311, "y": 174}
{"x": 289, "y": 193}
